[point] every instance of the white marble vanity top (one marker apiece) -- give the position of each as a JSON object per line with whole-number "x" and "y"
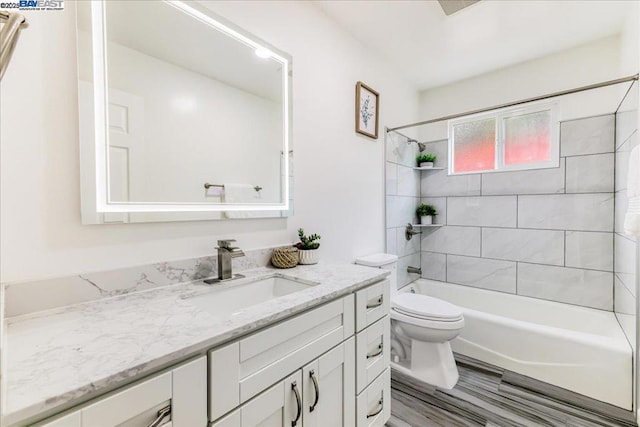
{"x": 60, "y": 357}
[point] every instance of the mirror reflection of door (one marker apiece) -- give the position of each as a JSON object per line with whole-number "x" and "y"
{"x": 126, "y": 150}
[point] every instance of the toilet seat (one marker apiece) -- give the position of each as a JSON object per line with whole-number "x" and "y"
{"x": 424, "y": 307}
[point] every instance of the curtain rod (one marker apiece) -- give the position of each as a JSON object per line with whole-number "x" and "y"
{"x": 523, "y": 101}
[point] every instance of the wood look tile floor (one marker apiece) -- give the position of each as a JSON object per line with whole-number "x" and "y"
{"x": 489, "y": 396}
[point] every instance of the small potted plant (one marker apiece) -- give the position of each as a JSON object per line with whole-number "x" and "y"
{"x": 308, "y": 248}
{"x": 426, "y": 160}
{"x": 426, "y": 213}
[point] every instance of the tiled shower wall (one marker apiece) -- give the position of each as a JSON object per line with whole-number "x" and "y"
{"x": 546, "y": 233}
{"x": 402, "y": 198}
{"x": 625, "y": 285}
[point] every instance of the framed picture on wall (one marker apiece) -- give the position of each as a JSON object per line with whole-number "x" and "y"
{"x": 367, "y": 104}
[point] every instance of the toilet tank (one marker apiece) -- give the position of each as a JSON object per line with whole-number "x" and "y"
{"x": 385, "y": 262}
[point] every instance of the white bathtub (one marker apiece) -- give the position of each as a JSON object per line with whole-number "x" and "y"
{"x": 576, "y": 348}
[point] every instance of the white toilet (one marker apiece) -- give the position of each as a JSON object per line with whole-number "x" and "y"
{"x": 421, "y": 328}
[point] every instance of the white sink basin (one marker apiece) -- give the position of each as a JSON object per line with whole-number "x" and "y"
{"x": 234, "y": 296}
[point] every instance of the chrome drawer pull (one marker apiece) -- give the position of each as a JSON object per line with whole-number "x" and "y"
{"x": 162, "y": 414}
{"x": 378, "y": 411}
{"x": 294, "y": 387}
{"x": 377, "y": 303}
{"x": 377, "y": 353}
{"x": 312, "y": 374}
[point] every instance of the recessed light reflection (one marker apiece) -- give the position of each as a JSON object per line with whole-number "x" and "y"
{"x": 263, "y": 53}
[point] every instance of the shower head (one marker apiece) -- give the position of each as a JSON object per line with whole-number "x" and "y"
{"x": 421, "y": 145}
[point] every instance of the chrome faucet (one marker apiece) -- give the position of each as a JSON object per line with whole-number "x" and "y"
{"x": 226, "y": 253}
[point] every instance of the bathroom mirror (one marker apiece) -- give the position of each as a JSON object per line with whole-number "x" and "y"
{"x": 183, "y": 115}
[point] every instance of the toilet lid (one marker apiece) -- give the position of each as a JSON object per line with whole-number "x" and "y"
{"x": 425, "y": 307}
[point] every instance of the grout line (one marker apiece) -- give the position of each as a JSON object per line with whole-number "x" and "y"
{"x": 517, "y": 264}
{"x": 564, "y": 249}
{"x": 520, "y": 261}
{"x": 518, "y": 194}
{"x": 527, "y": 228}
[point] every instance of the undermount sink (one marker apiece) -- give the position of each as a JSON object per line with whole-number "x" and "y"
{"x": 238, "y": 294}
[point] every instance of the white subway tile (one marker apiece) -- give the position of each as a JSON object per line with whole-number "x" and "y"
{"x": 406, "y": 247}
{"x": 590, "y": 174}
{"x": 434, "y": 266}
{"x": 537, "y": 246}
{"x": 589, "y": 250}
{"x": 582, "y": 212}
{"x": 622, "y": 162}
{"x": 624, "y": 301}
{"x": 592, "y": 135}
{"x": 400, "y": 210}
{"x": 482, "y": 273}
{"x": 408, "y": 182}
{"x": 439, "y": 183}
{"x": 452, "y": 240}
{"x": 588, "y": 288}
{"x": 489, "y": 211}
{"x": 625, "y": 257}
{"x": 391, "y": 182}
{"x": 391, "y": 246}
{"x": 536, "y": 181}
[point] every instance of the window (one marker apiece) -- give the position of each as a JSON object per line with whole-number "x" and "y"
{"x": 508, "y": 139}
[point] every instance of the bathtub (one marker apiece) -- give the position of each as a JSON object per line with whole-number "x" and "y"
{"x": 579, "y": 349}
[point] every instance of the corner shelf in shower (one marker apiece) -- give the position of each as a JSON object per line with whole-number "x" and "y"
{"x": 427, "y": 225}
{"x": 428, "y": 169}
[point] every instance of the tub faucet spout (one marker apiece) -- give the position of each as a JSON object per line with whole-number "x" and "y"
{"x": 415, "y": 270}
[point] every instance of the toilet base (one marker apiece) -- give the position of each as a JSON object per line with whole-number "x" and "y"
{"x": 433, "y": 363}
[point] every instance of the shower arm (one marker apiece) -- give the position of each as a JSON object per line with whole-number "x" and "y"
{"x": 12, "y": 23}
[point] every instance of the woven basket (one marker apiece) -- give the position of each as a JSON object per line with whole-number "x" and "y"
{"x": 285, "y": 257}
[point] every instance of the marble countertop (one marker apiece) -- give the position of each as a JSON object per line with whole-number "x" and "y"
{"x": 60, "y": 357}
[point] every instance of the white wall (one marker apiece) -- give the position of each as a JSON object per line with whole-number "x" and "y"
{"x": 338, "y": 174}
{"x": 591, "y": 63}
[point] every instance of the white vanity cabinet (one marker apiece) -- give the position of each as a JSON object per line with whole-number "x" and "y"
{"x": 342, "y": 377}
{"x": 326, "y": 367}
{"x": 319, "y": 395}
{"x": 179, "y": 393}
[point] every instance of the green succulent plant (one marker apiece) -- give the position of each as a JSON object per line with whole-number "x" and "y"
{"x": 426, "y": 210}
{"x": 307, "y": 242}
{"x": 426, "y": 158}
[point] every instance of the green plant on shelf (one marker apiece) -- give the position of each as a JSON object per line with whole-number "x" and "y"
{"x": 426, "y": 158}
{"x": 426, "y": 210}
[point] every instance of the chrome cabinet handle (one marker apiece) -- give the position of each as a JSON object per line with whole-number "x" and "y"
{"x": 373, "y": 414}
{"x": 377, "y": 353}
{"x": 161, "y": 415}
{"x": 312, "y": 374}
{"x": 294, "y": 387}
{"x": 377, "y": 303}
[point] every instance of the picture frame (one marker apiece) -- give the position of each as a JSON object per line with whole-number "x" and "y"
{"x": 367, "y": 110}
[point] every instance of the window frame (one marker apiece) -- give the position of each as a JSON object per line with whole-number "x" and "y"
{"x": 500, "y": 116}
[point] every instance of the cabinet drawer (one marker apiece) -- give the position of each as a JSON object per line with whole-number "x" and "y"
{"x": 373, "y": 405}
{"x": 183, "y": 389}
{"x": 372, "y": 352}
{"x": 143, "y": 399}
{"x": 372, "y": 303}
{"x": 244, "y": 368}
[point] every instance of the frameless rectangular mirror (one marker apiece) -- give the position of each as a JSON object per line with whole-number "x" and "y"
{"x": 182, "y": 115}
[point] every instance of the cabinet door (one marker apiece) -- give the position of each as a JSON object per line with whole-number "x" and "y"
{"x": 329, "y": 388}
{"x": 279, "y": 406}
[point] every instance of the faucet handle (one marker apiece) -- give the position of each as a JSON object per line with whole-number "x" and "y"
{"x": 226, "y": 243}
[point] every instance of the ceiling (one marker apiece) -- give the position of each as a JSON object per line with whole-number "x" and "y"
{"x": 432, "y": 49}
